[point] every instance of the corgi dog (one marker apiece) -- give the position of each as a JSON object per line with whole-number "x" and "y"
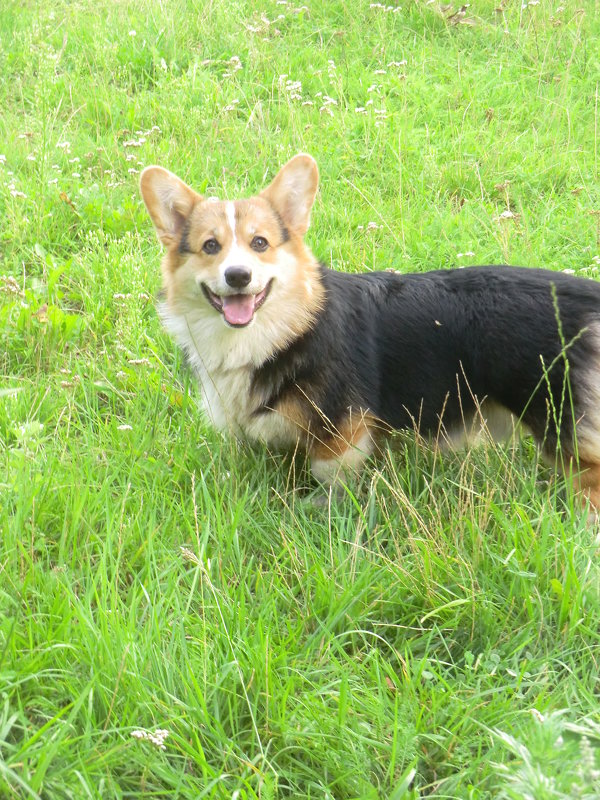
{"x": 290, "y": 352}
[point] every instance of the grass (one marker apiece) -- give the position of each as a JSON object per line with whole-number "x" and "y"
{"x": 435, "y": 634}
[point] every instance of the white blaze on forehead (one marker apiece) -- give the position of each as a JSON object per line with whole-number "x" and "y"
{"x": 236, "y": 255}
{"x": 230, "y": 214}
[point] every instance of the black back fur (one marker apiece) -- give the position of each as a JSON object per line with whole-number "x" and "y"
{"x": 416, "y": 349}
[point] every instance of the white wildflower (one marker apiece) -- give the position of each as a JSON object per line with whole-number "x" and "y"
{"x": 157, "y": 738}
{"x": 9, "y": 285}
{"x": 387, "y": 9}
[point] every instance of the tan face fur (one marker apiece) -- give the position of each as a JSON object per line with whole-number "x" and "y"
{"x": 236, "y": 273}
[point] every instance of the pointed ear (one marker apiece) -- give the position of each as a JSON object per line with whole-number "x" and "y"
{"x": 292, "y": 192}
{"x": 169, "y": 201}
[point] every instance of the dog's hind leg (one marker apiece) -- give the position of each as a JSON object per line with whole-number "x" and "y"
{"x": 586, "y": 462}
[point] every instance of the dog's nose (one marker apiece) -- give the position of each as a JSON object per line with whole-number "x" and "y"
{"x": 237, "y": 277}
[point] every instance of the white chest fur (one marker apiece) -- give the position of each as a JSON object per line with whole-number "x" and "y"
{"x": 224, "y": 361}
{"x": 230, "y": 404}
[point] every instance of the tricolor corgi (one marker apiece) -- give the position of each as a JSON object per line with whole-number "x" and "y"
{"x": 290, "y": 352}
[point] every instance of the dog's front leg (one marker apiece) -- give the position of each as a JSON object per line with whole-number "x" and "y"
{"x": 586, "y": 480}
{"x": 338, "y": 455}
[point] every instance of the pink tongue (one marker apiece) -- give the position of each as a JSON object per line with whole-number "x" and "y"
{"x": 238, "y": 309}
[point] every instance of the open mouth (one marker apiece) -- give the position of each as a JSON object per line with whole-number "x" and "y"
{"x": 237, "y": 309}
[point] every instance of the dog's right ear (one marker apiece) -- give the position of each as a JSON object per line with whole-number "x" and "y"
{"x": 169, "y": 201}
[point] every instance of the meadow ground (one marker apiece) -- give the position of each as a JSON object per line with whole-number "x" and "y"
{"x": 436, "y": 633}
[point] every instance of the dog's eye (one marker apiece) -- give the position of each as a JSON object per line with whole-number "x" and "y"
{"x": 259, "y": 243}
{"x": 211, "y": 246}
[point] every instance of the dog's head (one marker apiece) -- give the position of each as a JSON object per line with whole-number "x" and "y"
{"x": 240, "y": 261}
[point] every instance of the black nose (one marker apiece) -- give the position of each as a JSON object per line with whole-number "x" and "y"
{"x": 238, "y": 277}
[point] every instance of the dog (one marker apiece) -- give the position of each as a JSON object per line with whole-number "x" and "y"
{"x": 292, "y": 353}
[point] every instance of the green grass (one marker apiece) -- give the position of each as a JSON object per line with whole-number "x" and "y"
{"x": 436, "y": 632}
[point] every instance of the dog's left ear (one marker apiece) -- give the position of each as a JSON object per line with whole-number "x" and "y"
{"x": 292, "y": 192}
